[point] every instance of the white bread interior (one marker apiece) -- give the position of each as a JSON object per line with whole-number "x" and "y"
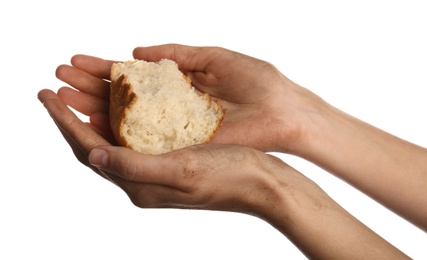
{"x": 154, "y": 109}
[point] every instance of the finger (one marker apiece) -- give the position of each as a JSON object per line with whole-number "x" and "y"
{"x": 166, "y": 51}
{"x": 84, "y": 136}
{"x": 83, "y": 102}
{"x": 138, "y": 167}
{"x": 188, "y": 58}
{"x": 97, "y": 67}
{"x": 84, "y": 81}
{"x": 207, "y": 67}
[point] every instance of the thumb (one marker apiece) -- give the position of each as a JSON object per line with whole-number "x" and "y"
{"x": 134, "y": 166}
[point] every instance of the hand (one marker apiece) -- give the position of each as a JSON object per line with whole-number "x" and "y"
{"x": 269, "y": 112}
{"x": 265, "y": 110}
{"x": 216, "y": 177}
{"x": 228, "y": 178}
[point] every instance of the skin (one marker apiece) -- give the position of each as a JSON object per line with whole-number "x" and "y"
{"x": 265, "y": 112}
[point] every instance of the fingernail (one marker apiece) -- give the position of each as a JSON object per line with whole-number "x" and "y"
{"x": 98, "y": 158}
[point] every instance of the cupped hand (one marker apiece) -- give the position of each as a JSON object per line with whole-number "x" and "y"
{"x": 213, "y": 176}
{"x": 265, "y": 110}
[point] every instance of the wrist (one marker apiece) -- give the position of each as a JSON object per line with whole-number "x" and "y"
{"x": 310, "y": 219}
{"x": 303, "y": 121}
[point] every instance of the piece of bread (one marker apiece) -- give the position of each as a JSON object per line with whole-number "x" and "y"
{"x": 154, "y": 109}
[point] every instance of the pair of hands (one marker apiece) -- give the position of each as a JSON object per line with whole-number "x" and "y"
{"x": 265, "y": 112}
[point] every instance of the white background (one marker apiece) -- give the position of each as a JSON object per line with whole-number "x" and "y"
{"x": 367, "y": 58}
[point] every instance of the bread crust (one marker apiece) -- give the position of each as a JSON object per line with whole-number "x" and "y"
{"x": 122, "y": 98}
{"x": 219, "y": 122}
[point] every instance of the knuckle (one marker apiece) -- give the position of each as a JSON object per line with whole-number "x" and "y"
{"x": 128, "y": 169}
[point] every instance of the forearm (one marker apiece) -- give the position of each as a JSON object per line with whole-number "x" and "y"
{"x": 389, "y": 169}
{"x": 322, "y": 229}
